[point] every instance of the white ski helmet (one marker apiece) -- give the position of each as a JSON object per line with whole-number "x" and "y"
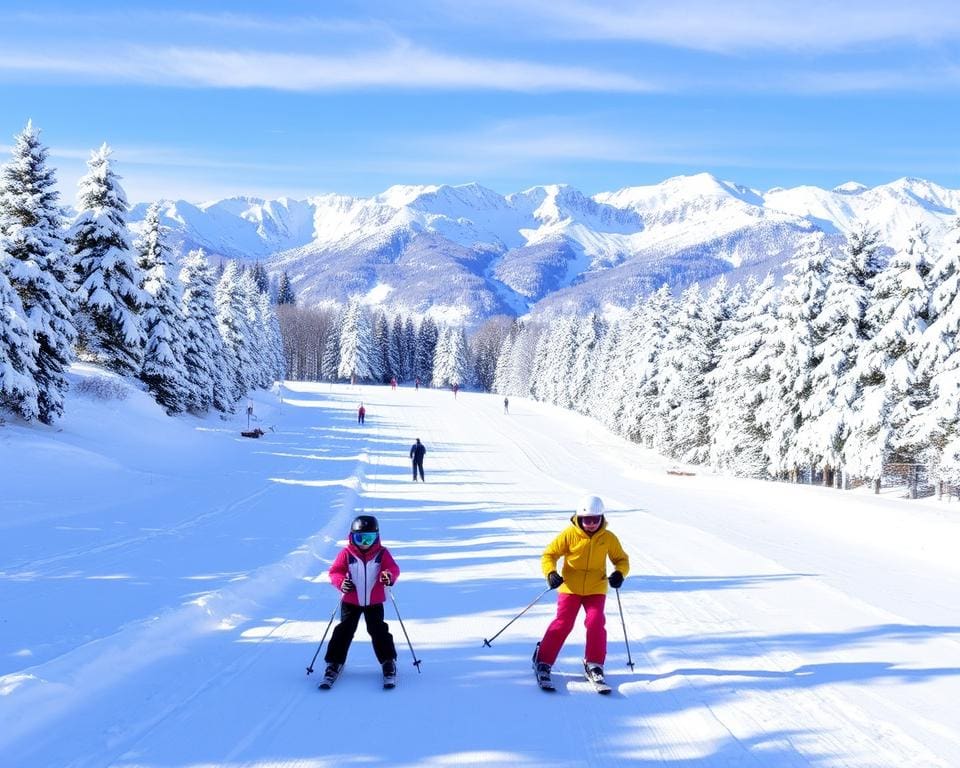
{"x": 590, "y": 505}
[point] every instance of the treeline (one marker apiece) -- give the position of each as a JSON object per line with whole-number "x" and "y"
{"x": 86, "y": 292}
{"x": 848, "y": 367}
{"x": 362, "y": 344}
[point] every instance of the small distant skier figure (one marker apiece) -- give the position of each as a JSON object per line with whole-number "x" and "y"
{"x": 456, "y": 388}
{"x": 249, "y": 412}
{"x": 585, "y": 545}
{"x": 361, "y": 414}
{"x": 417, "y": 451}
{"x": 416, "y": 384}
{"x": 506, "y": 405}
{"x": 393, "y": 382}
{"x": 362, "y": 572}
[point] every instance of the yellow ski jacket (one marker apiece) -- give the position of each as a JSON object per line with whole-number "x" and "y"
{"x": 585, "y": 558}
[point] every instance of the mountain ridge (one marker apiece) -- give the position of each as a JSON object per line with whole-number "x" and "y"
{"x": 464, "y": 252}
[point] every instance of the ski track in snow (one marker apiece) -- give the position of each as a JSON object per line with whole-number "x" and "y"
{"x": 753, "y": 644}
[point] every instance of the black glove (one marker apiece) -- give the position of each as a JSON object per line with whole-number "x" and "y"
{"x": 616, "y": 579}
{"x": 554, "y": 579}
{"x": 347, "y": 585}
{"x": 386, "y": 578}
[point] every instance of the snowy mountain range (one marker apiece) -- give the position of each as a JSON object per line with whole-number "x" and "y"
{"x": 463, "y": 253}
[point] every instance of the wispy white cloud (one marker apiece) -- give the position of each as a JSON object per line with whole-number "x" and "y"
{"x": 735, "y": 25}
{"x": 403, "y": 66}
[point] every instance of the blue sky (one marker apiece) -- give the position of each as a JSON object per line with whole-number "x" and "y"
{"x": 206, "y": 100}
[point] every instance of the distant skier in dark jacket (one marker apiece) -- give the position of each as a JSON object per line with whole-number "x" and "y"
{"x": 362, "y": 572}
{"x": 417, "y": 451}
{"x": 361, "y": 414}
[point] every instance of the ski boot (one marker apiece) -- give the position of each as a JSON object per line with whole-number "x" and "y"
{"x": 330, "y": 676}
{"x": 594, "y": 673}
{"x": 542, "y": 672}
{"x": 389, "y": 673}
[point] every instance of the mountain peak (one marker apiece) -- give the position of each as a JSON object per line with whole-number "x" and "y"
{"x": 850, "y": 188}
{"x": 402, "y": 195}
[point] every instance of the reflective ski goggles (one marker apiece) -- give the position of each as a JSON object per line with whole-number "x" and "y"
{"x": 591, "y": 519}
{"x": 364, "y": 539}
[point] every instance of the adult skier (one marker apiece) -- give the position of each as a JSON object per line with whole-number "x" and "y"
{"x": 417, "y": 451}
{"x": 585, "y": 546}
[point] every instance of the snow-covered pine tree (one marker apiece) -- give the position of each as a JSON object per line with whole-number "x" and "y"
{"x": 554, "y": 376}
{"x": 275, "y": 365}
{"x": 638, "y": 361}
{"x": 164, "y": 368}
{"x": 330, "y": 364}
{"x": 397, "y": 348}
{"x": 108, "y": 280}
{"x": 261, "y": 278}
{"x": 285, "y": 294}
{"x": 204, "y": 351}
{"x": 842, "y": 331}
{"x": 261, "y": 363}
{"x": 358, "y": 352}
{"x": 441, "y": 358}
{"x": 232, "y": 323}
{"x": 588, "y": 332}
{"x": 381, "y": 341}
{"x": 801, "y": 303}
{"x": 18, "y": 348}
{"x": 745, "y": 396}
{"x": 39, "y": 267}
{"x": 485, "y": 345}
{"x": 938, "y": 367}
{"x": 501, "y": 376}
{"x": 681, "y": 418}
{"x": 460, "y": 358}
{"x": 522, "y": 355}
{"x": 410, "y": 354}
{"x": 734, "y": 442}
{"x": 895, "y": 319}
{"x": 427, "y": 337}
{"x": 606, "y": 409}
{"x": 553, "y": 360}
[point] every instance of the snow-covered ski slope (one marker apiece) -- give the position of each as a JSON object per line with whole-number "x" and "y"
{"x": 163, "y": 588}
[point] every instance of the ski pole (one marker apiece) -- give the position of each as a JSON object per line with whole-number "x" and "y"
{"x": 416, "y": 661}
{"x": 535, "y": 600}
{"x": 624, "y": 624}
{"x": 329, "y": 624}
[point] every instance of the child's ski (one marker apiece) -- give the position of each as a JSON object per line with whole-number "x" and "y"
{"x": 542, "y": 672}
{"x": 594, "y": 674}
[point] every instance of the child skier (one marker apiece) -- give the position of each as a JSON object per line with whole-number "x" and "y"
{"x": 585, "y": 545}
{"x": 362, "y": 572}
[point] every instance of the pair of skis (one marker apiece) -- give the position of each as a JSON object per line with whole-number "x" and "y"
{"x": 330, "y": 677}
{"x": 545, "y": 681}
{"x": 593, "y": 674}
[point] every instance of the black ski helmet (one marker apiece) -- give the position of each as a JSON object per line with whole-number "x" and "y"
{"x": 365, "y": 524}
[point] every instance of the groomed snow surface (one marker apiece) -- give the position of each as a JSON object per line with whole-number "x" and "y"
{"x": 163, "y": 588}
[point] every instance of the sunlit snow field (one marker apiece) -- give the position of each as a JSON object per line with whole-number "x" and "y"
{"x": 163, "y": 589}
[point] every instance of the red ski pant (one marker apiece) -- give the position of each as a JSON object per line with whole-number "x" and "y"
{"x": 568, "y": 606}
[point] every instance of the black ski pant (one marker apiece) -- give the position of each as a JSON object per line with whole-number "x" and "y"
{"x": 343, "y": 633}
{"x": 418, "y": 465}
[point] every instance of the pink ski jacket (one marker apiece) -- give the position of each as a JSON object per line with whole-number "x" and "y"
{"x": 364, "y": 569}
